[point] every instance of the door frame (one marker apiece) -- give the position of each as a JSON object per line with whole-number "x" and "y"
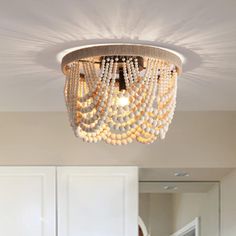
{"x": 195, "y": 224}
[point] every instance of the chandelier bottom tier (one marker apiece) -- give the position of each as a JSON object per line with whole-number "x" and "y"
{"x": 121, "y": 95}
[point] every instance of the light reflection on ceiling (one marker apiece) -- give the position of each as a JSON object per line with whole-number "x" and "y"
{"x": 32, "y": 33}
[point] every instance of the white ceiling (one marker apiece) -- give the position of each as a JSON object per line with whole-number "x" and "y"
{"x": 177, "y": 187}
{"x": 33, "y": 32}
{"x": 194, "y": 174}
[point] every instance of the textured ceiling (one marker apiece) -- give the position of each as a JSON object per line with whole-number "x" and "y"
{"x": 33, "y": 32}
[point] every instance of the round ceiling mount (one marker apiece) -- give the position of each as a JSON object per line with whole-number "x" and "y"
{"x": 123, "y": 50}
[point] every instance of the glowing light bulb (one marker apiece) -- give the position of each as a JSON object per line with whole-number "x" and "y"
{"x": 123, "y": 101}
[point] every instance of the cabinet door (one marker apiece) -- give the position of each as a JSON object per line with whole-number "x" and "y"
{"x": 27, "y": 201}
{"x": 97, "y": 201}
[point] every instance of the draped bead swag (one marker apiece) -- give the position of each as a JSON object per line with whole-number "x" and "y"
{"x": 94, "y": 99}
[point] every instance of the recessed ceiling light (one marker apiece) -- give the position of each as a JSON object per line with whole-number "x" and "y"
{"x": 181, "y": 174}
{"x": 170, "y": 188}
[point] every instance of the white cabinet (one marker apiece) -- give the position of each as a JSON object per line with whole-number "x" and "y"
{"x": 27, "y": 201}
{"x": 97, "y": 201}
{"x": 68, "y": 201}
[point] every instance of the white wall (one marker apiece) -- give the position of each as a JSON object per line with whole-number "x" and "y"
{"x": 188, "y": 206}
{"x": 164, "y": 214}
{"x": 194, "y": 140}
{"x": 228, "y": 204}
{"x": 156, "y": 212}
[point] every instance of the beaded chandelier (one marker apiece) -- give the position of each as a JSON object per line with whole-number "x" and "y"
{"x": 121, "y": 93}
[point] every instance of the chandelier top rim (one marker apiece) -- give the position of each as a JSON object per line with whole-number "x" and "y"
{"x": 122, "y": 50}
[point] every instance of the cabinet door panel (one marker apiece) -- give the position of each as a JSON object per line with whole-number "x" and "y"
{"x": 27, "y": 201}
{"x": 97, "y": 201}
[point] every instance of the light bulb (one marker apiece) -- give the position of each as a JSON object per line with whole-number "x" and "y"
{"x": 123, "y": 101}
